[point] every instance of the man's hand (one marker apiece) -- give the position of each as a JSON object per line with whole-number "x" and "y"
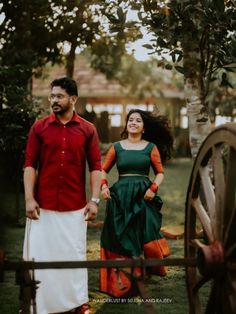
{"x": 32, "y": 209}
{"x": 91, "y": 211}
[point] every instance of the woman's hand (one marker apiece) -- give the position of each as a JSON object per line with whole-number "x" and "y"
{"x": 149, "y": 195}
{"x": 106, "y": 193}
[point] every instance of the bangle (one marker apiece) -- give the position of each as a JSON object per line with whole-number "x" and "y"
{"x": 103, "y": 182}
{"x": 154, "y": 187}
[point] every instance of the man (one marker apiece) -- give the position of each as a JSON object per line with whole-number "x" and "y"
{"x": 54, "y": 180}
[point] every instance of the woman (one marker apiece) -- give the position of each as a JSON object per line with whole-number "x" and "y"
{"x": 133, "y": 219}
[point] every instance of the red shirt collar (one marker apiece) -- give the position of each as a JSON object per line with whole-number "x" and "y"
{"x": 53, "y": 118}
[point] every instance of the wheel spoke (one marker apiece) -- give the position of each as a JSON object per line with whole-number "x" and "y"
{"x": 219, "y": 182}
{"x": 203, "y": 217}
{"x": 209, "y": 225}
{"x": 230, "y": 250}
{"x": 201, "y": 281}
{"x": 214, "y": 294}
{"x": 230, "y": 205}
{"x": 208, "y": 191}
{"x": 197, "y": 243}
{"x": 229, "y": 298}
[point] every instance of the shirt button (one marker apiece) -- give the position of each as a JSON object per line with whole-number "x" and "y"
{"x": 61, "y": 165}
{"x": 64, "y": 138}
{"x": 63, "y": 152}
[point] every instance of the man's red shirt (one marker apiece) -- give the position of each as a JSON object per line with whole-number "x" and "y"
{"x": 59, "y": 153}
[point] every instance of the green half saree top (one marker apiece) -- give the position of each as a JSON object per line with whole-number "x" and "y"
{"x": 132, "y": 224}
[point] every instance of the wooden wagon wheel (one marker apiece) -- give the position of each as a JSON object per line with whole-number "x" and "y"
{"x": 210, "y": 225}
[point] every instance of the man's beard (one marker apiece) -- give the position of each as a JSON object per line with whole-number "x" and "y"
{"x": 60, "y": 110}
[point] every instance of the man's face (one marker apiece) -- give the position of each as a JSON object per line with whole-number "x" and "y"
{"x": 60, "y": 101}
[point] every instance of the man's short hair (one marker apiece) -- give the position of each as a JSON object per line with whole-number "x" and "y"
{"x": 68, "y": 84}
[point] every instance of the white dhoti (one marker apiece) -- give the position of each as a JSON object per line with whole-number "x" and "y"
{"x": 58, "y": 236}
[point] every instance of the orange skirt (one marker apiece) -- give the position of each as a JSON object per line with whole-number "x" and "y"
{"x": 118, "y": 282}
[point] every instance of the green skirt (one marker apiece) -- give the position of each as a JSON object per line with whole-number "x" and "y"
{"x": 131, "y": 221}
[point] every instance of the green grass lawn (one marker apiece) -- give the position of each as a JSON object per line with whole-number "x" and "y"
{"x": 167, "y": 294}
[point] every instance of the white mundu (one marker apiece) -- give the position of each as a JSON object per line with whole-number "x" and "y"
{"x": 58, "y": 236}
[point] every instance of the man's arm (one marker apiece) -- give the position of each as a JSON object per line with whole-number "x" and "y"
{"x": 31, "y": 206}
{"x": 95, "y": 181}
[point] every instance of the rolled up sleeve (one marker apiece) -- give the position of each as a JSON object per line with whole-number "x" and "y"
{"x": 32, "y": 149}
{"x": 94, "y": 154}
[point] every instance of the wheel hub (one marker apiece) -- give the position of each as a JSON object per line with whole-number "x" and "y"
{"x": 210, "y": 260}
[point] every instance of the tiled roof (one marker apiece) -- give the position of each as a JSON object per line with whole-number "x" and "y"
{"x": 92, "y": 83}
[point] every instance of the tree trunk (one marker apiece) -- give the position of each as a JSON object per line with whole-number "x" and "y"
{"x": 198, "y": 118}
{"x": 70, "y": 60}
{"x": 18, "y": 182}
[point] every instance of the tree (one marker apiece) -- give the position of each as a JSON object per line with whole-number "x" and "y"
{"x": 20, "y": 56}
{"x": 142, "y": 79}
{"x": 78, "y": 25}
{"x": 199, "y": 36}
{"x": 108, "y": 51}
{"x": 222, "y": 99}
{"x": 33, "y": 34}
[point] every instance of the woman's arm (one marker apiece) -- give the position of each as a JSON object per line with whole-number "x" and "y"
{"x": 151, "y": 191}
{"x": 159, "y": 174}
{"x": 105, "y": 191}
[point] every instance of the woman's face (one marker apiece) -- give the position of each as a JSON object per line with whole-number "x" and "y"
{"x": 135, "y": 124}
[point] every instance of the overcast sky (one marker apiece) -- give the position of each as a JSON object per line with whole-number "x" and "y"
{"x": 140, "y": 53}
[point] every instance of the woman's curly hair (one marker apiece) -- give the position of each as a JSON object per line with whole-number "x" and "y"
{"x": 156, "y": 130}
